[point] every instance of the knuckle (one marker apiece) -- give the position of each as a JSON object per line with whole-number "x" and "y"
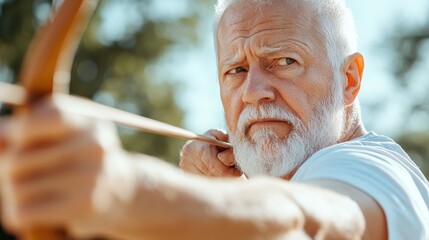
{"x": 228, "y": 172}
{"x": 183, "y": 164}
{"x": 192, "y": 150}
{"x": 223, "y": 171}
{"x": 205, "y": 152}
{"x": 186, "y": 149}
{"x": 201, "y": 154}
{"x": 211, "y": 133}
{"x": 213, "y": 167}
{"x": 51, "y": 112}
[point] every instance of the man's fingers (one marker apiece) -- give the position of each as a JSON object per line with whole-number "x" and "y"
{"x": 209, "y": 157}
{"x": 190, "y": 159}
{"x": 76, "y": 177}
{"x": 190, "y": 168}
{"x": 226, "y": 157}
{"x": 44, "y": 160}
{"x": 198, "y": 157}
{"x": 219, "y": 135}
{"x": 238, "y": 173}
{"x": 201, "y": 158}
{"x": 49, "y": 194}
{"x": 42, "y": 123}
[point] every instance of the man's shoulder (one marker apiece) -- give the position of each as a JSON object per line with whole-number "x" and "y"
{"x": 370, "y": 153}
{"x": 378, "y": 166}
{"x": 368, "y": 140}
{"x": 369, "y": 147}
{"x": 372, "y": 163}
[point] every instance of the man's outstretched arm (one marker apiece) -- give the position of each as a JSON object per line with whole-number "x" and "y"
{"x": 171, "y": 205}
{"x": 76, "y": 176}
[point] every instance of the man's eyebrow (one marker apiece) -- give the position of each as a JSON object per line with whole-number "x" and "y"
{"x": 262, "y": 52}
{"x": 292, "y": 45}
{"x": 231, "y": 60}
{"x": 267, "y": 50}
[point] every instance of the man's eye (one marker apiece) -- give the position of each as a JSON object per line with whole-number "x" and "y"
{"x": 237, "y": 70}
{"x": 285, "y": 61}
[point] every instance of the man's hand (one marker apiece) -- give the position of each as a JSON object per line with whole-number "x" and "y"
{"x": 57, "y": 170}
{"x": 209, "y": 160}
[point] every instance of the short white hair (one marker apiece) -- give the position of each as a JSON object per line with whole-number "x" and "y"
{"x": 336, "y": 27}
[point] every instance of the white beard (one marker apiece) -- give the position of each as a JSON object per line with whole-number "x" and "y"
{"x": 266, "y": 154}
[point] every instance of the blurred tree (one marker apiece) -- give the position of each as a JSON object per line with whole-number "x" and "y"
{"x": 409, "y": 47}
{"x": 112, "y": 65}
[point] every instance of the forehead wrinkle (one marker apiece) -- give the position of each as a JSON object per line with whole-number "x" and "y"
{"x": 249, "y": 8}
{"x": 293, "y": 45}
{"x": 244, "y": 28}
{"x": 265, "y": 50}
{"x": 244, "y": 36}
{"x": 253, "y": 26}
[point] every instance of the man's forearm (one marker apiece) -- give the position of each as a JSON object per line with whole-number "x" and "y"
{"x": 168, "y": 204}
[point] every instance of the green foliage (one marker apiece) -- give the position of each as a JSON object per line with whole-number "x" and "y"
{"x": 409, "y": 64}
{"x": 417, "y": 146}
{"x": 113, "y": 68}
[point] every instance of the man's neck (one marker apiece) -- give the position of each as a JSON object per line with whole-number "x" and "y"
{"x": 354, "y": 127}
{"x": 354, "y": 132}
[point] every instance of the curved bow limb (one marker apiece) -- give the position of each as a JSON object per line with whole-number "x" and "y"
{"x": 53, "y": 49}
{"x": 48, "y": 61}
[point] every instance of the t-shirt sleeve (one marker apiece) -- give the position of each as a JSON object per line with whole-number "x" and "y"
{"x": 381, "y": 174}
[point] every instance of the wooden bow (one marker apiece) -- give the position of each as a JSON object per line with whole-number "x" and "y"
{"x": 47, "y": 67}
{"x": 49, "y": 61}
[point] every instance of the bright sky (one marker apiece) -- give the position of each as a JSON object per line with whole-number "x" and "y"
{"x": 374, "y": 20}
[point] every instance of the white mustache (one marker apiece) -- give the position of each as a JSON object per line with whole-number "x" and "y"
{"x": 265, "y": 111}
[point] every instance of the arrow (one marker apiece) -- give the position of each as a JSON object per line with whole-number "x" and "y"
{"x": 17, "y": 96}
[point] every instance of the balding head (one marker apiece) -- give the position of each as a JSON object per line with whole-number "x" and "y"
{"x": 335, "y": 24}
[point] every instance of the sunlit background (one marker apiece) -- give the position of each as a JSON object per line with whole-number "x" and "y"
{"x": 156, "y": 58}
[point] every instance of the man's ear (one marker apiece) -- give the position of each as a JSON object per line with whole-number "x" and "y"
{"x": 353, "y": 69}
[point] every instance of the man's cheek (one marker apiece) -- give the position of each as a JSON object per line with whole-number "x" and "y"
{"x": 231, "y": 122}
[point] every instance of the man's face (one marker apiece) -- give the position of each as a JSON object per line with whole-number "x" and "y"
{"x": 276, "y": 86}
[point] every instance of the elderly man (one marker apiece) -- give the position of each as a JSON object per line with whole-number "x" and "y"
{"x": 289, "y": 76}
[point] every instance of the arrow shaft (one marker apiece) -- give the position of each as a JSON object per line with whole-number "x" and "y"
{"x": 16, "y": 95}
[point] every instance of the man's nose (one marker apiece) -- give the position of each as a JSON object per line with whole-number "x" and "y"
{"x": 258, "y": 88}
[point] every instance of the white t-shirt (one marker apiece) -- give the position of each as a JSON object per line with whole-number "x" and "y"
{"x": 378, "y": 166}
